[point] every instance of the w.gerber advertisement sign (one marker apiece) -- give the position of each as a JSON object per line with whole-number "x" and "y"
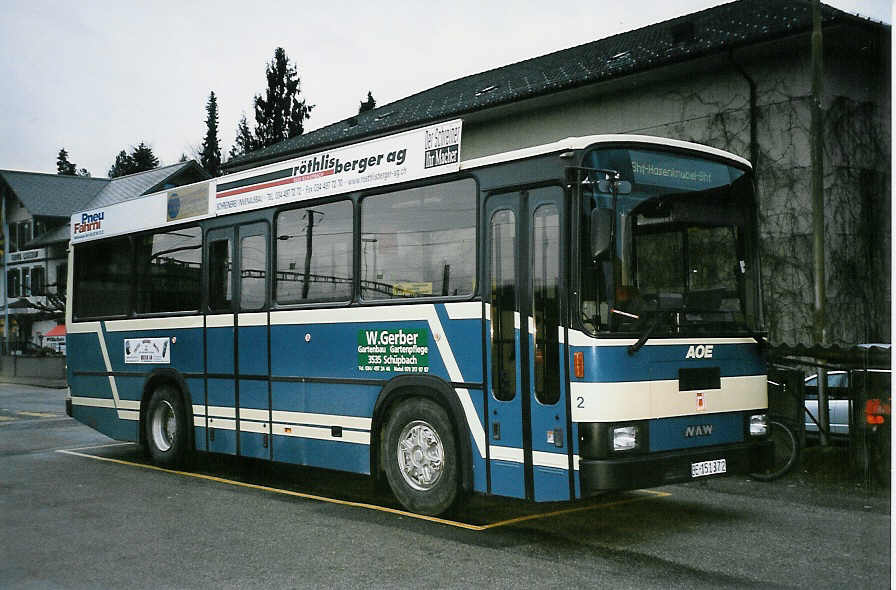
{"x": 398, "y": 158}
{"x": 411, "y": 155}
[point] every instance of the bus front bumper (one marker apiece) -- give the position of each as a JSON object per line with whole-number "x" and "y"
{"x": 656, "y": 469}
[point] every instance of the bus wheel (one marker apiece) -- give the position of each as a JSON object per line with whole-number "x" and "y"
{"x": 166, "y": 429}
{"x": 419, "y": 456}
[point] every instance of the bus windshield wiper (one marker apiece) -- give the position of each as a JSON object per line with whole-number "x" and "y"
{"x": 646, "y": 333}
{"x": 759, "y": 338}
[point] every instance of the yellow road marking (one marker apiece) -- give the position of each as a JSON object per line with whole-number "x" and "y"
{"x": 650, "y": 493}
{"x": 6, "y": 418}
{"x": 472, "y": 527}
{"x": 36, "y": 414}
{"x": 103, "y": 446}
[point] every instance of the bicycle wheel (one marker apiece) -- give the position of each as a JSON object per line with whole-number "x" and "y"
{"x": 785, "y": 452}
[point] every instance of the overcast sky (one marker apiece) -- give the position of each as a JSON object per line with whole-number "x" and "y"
{"x": 98, "y": 77}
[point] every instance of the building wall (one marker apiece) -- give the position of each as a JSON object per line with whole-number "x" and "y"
{"x": 30, "y": 323}
{"x": 708, "y": 102}
{"x": 15, "y": 212}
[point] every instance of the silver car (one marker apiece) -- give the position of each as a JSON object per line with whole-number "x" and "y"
{"x": 839, "y": 403}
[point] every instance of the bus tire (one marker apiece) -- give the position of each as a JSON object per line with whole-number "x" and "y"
{"x": 166, "y": 427}
{"x": 419, "y": 457}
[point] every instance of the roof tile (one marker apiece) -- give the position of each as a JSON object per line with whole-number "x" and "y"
{"x": 53, "y": 195}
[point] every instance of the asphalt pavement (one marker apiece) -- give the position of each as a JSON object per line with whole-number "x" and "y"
{"x": 98, "y": 516}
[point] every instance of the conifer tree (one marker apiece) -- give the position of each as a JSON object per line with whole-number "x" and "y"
{"x": 244, "y": 141}
{"x": 124, "y": 164}
{"x": 280, "y": 114}
{"x": 143, "y": 158}
{"x": 63, "y": 166}
{"x": 140, "y": 159}
{"x": 211, "y": 147}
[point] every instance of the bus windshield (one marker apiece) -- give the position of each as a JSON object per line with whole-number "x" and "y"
{"x": 681, "y": 258}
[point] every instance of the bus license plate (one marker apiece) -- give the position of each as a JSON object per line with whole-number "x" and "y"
{"x": 713, "y": 467}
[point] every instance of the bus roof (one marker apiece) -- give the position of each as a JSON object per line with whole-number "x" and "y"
{"x": 579, "y": 143}
{"x": 409, "y": 155}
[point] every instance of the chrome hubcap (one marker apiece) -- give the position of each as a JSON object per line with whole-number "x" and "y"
{"x": 421, "y": 456}
{"x": 164, "y": 426}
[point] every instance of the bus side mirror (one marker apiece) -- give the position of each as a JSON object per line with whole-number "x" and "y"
{"x": 601, "y": 231}
{"x": 623, "y": 187}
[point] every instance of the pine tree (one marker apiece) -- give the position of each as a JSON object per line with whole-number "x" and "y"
{"x": 245, "y": 141}
{"x": 140, "y": 159}
{"x": 279, "y": 114}
{"x": 63, "y": 166}
{"x": 143, "y": 158}
{"x": 211, "y": 147}
{"x": 124, "y": 164}
{"x": 367, "y": 105}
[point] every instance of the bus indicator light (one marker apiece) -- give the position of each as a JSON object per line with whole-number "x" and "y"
{"x": 578, "y": 363}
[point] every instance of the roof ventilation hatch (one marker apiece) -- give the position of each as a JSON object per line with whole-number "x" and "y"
{"x": 486, "y": 90}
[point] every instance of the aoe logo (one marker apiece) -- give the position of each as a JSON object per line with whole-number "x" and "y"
{"x": 699, "y": 351}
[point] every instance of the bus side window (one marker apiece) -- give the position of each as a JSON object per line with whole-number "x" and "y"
{"x": 503, "y": 303}
{"x": 103, "y": 275}
{"x": 219, "y": 283}
{"x": 546, "y": 301}
{"x": 253, "y": 272}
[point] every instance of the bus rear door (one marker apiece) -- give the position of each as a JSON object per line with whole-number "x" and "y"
{"x": 238, "y": 400}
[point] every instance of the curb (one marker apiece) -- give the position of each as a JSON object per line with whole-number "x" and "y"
{"x": 36, "y": 381}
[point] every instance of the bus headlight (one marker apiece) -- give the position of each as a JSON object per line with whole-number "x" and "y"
{"x": 758, "y": 425}
{"x": 625, "y": 438}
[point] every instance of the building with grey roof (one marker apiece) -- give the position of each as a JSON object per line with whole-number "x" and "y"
{"x": 36, "y": 211}
{"x": 736, "y": 77}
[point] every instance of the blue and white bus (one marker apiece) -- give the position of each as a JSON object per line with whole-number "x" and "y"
{"x": 545, "y": 324}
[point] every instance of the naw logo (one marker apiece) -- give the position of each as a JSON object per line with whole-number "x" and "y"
{"x": 698, "y": 430}
{"x": 90, "y": 222}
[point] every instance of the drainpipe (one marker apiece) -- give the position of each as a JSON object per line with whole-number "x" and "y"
{"x": 754, "y": 111}
{"x": 819, "y": 323}
{"x": 754, "y": 160}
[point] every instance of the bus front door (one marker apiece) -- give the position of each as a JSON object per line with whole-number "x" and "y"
{"x": 529, "y": 453}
